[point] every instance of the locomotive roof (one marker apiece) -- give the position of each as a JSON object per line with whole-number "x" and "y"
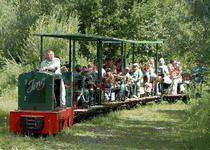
{"x": 93, "y": 38}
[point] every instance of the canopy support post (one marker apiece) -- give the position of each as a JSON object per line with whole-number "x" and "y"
{"x": 100, "y": 67}
{"x": 41, "y": 51}
{"x": 122, "y": 63}
{"x": 69, "y": 53}
{"x": 125, "y": 55}
{"x": 133, "y": 52}
{"x": 156, "y": 64}
{"x": 73, "y": 74}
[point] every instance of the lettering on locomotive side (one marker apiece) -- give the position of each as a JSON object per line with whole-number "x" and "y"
{"x": 35, "y": 85}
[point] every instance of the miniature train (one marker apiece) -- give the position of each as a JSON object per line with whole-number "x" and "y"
{"x": 40, "y": 108}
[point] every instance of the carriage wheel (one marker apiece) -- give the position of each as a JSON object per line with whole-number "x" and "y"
{"x": 185, "y": 99}
{"x": 169, "y": 100}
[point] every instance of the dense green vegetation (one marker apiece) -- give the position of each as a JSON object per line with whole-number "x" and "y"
{"x": 183, "y": 26}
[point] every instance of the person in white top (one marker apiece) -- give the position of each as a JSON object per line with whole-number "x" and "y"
{"x": 166, "y": 78}
{"x": 96, "y": 68}
{"x": 50, "y": 62}
{"x": 54, "y": 64}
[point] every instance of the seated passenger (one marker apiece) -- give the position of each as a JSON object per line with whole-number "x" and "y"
{"x": 83, "y": 70}
{"x": 108, "y": 82}
{"x": 149, "y": 72}
{"x": 181, "y": 86}
{"x": 114, "y": 71}
{"x": 124, "y": 82}
{"x": 171, "y": 66}
{"x": 78, "y": 72}
{"x": 89, "y": 87}
{"x": 149, "y": 69}
{"x": 136, "y": 77}
{"x": 91, "y": 67}
{"x": 54, "y": 64}
{"x": 64, "y": 69}
{"x": 79, "y": 85}
{"x": 176, "y": 78}
{"x": 107, "y": 63}
{"x": 166, "y": 74}
{"x": 67, "y": 66}
{"x": 197, "y": 72}
{"x": 103, "y": 72}
{"x": 117, "y": 63}
{"x": 148, "y": 88}
{"x": 164, "y": 78}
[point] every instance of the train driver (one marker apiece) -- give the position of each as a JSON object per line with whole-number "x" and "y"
{"x": 50, "y": 62}
{"x": 54, "y": 64}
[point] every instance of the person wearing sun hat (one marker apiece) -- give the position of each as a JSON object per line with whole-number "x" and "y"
{"x": 136, "y": 77}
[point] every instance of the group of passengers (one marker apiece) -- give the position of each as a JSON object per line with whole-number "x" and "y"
{"x": 134, "y": 82}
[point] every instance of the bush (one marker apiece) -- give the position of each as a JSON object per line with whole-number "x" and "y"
{"x": 9, "y": 74}
{"x": 50, "y": 24}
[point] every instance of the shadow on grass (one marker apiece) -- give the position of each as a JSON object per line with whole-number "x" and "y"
{"x": 130, "y": 133}
{"x": 115, "y": 132}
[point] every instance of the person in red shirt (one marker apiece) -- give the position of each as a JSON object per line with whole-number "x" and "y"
{"x": 176, "y": 76}
{"x": 171, "y": 66}
{"x": 149, "y": 72}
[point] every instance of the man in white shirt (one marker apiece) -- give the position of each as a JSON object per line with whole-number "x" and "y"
{"x": 50, "y": 63}
{"x": 53, "y": 64}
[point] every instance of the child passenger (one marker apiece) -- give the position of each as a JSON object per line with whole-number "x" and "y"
{"x": 124, "y": 77}
{"x": 109, "y": 80}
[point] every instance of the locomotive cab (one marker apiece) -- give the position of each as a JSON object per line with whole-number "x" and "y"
{"x": 39, "y": 91}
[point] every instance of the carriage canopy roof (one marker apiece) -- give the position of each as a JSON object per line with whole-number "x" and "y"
{"x": 94, "y": 38}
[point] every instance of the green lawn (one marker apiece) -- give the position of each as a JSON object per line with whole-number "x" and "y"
{"x": 155, "y": 126}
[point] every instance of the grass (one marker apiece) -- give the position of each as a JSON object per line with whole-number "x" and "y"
{"x": 155, "y": 126}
